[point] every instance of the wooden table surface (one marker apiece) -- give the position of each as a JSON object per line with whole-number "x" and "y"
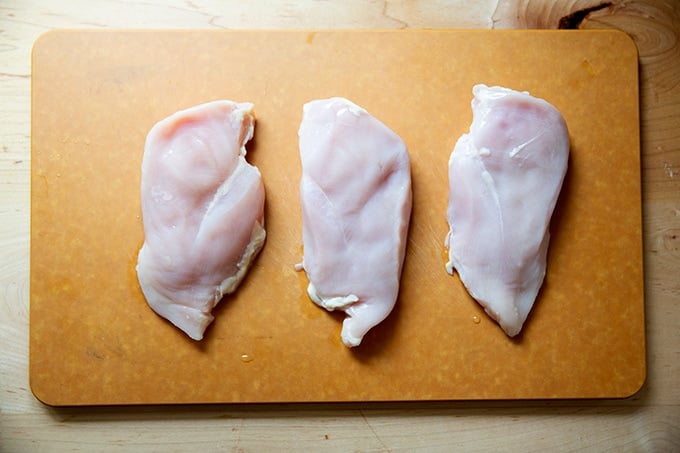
{"x": 648, "y": 421}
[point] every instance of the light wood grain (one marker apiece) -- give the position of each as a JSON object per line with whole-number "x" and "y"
{"x": 649, "y": 421}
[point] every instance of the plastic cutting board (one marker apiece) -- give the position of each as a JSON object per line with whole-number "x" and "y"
{"x": 93, "y": 339}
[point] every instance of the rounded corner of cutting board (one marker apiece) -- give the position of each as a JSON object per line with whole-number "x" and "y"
{"x": 41, "y": 394}
{"x": 623, "y": 42}
{"x": 635, "y": 385}
{"x": 46, "y": 39}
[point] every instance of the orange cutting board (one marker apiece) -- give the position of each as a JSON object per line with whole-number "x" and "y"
{"x": 93, "y": 339}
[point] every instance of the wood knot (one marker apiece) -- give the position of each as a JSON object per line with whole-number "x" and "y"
{"x": 671, "y": 239}
{"x": 573, "y": 21}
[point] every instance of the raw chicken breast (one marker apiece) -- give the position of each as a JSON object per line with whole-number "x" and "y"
{"x": 203, "y": 212}
{"x": 356, "y": 207}
{"x": 505, "y": 176}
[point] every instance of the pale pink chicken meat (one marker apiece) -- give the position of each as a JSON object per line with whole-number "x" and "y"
{"x": 356, "y": 207}
{"x": 202, "y": 209}
{"x": 505, "y": 176}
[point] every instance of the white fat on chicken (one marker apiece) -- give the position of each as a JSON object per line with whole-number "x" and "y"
{"x": 356, "y": 207}
{"x": 505, "y": 176}
{"x": 202, "y": 209}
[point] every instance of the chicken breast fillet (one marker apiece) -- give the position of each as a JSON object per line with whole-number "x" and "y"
{"x": 356, "y": 208}
{"x": 505, "y": 176}
{"x": 203, "y": 212}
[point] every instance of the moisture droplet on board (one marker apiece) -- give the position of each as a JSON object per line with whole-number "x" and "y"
{"x": 246, "y": 358}
{"x": 476, "y": 319}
